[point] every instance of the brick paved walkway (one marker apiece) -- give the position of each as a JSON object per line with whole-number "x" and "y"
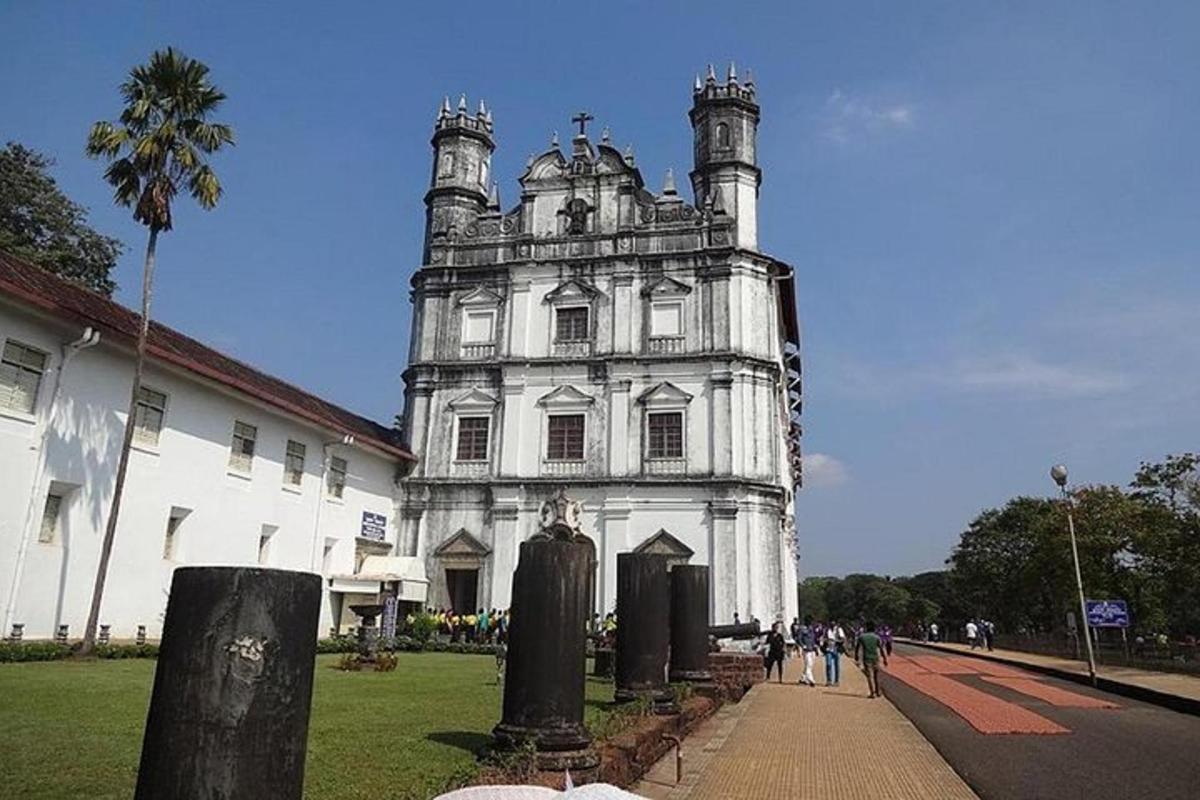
{"x": 792, "y": 741}
{"x": 1187, "y": 686}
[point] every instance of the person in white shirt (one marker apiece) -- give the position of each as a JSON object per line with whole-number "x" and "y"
{"x": 933, "y": 632}
{"x": 832, "y": 643}
{"x": 972, "y": 633}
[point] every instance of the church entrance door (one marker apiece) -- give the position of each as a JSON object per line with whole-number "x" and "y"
{"x": 462, "y": 586}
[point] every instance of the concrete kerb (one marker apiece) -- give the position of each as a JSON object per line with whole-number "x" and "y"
{"x": 1184, "y": 705}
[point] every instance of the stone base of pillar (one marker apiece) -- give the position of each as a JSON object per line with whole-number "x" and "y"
{"x": 568, "y": 747}
{"x": 662, "y": 698}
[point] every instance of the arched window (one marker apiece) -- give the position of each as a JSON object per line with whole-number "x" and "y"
{"x": 446, "y": 169}
{"x": 722, "y": 135}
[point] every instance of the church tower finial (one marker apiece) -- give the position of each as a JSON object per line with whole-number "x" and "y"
{"x": 554, "y": 139}
{"x": 726, "y": 175}
{"x": 669, "y": 183}
{"x": 493, "y": 203}
{"x": 712, "y": 75}
{"x": 462, "y": 162}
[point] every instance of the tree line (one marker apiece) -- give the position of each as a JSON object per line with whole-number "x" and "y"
{"x": 1012, "y": 565}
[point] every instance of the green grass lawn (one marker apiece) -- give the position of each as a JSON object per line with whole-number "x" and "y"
{"x": 74, "y": 729}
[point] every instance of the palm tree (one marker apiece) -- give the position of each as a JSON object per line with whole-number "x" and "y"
{"x": 155, "y": 149}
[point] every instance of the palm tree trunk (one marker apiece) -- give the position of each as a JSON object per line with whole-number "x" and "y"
{"x": 89, "y": 633}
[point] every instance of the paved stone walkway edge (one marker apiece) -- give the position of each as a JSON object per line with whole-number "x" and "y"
{"x": 1184, "y": 705}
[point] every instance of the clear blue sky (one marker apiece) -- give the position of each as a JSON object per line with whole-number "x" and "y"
{"x": 993, "y": 209}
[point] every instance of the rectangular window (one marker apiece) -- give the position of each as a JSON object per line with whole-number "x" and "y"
{"x": 666, "y": 319}
{"x": 472, "y": 438}
{"x": 565, "y": 437}
{"x": 151, "y": 409}
{"x": 478, "y": 327}
{"x": 336, "y": 480}
{"x": 293, "y": 463}
{"x": 571, "y": 325}
{"x": 664, "y": 435}
{"x": 171, "y": 540}
{"x": 21, "y": 370}
{"x": 48, "y": 534}
{"x": 241, "y": 454}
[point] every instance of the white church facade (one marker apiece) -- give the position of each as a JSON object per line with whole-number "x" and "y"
{"x": 635, "y": 348}
{"x": 230, "y": 466}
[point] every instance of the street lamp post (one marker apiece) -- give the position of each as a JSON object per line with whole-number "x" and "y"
{"x": 1059, "y": 473}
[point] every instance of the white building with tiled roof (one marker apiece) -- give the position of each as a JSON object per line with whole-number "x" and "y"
{"x": 230, "y": 466}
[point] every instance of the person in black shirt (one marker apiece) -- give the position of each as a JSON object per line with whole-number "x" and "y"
{"x": 775, "y": 647}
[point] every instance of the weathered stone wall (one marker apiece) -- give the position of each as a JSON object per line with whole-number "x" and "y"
{"x": 735, "y": 673}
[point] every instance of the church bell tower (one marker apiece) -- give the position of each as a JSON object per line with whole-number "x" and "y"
{"x": 726, "y": 175}
{"x": 462, "y": 164}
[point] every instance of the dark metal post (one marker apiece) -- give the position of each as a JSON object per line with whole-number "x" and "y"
{"x": 229, "y": 712}
{"x": 643, "y": 630}
{"x": 545, "y": 674}
{"x": 689, "y": 624}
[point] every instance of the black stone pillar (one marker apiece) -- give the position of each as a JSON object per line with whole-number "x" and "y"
{"x": 643, "y": 629}
{"x": 545, "y": 675}
{"x": 689, "y": 624}
{"x": 232, "y": 690}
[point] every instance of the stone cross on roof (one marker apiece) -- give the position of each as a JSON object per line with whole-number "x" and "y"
{"x": 582, "y": 119}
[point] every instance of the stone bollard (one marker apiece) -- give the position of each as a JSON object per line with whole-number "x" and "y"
{"x": 545, "y": 674}
{"x": 60, "y": 636}
{"x": 18, "y": 632}
{"x": 140, "y": 640}
{"x": 233, "y": 687}
{"x": 689, "y": 624}
{"x": 643, "y": 630}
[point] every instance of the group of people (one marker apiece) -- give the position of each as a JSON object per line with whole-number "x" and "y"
{"x": 480, "y": 627}
{"x": 980, "y": 633}
{"x": 866, "y": 643}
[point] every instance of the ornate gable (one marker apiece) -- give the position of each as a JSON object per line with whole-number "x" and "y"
{"x": 665, "y": 393}
{"x": 666, "y": 287}
{"x": 462, "y": 545}
{"x": 474, "y": 400}
{"x": 480, "y": 296}
{"x": 550, "y": 164}
{"x": 565, "y": 396}
{"x": 664, "y": 544}
{"x": 573, "y": 291}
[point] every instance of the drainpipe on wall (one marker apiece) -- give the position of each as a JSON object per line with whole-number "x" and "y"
{"x": 346, "y": 440}
{"x": 90, "y": 338}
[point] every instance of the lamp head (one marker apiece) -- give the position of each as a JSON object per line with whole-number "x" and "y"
{"x": 1059, "y": 473}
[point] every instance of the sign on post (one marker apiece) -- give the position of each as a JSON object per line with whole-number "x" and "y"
{"x": 389, "y": 616}
{"x": 373, "y": 526}
{"x": 1107, "y": 613}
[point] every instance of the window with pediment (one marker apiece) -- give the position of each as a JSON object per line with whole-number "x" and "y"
{"x": 572, "y": 308}
{"x": 479, "y": 310}
{"x": 666, "y": 304}
{"x": 664, "y": 429}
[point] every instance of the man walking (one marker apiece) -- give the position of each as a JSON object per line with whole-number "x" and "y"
{"x": 808, "y": 649}
{"x": 972, "y": 633}
{"x": 871, "y": 647}
{"x": 833, "y": 642}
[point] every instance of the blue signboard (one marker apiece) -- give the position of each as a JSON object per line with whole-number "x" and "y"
{"x": 1107, "y": 614}
{"x": 373, "y": 526}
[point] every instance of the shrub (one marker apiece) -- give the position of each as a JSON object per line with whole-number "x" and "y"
{"x": 126, "y": 651}
{"x": 12, "y": 652}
